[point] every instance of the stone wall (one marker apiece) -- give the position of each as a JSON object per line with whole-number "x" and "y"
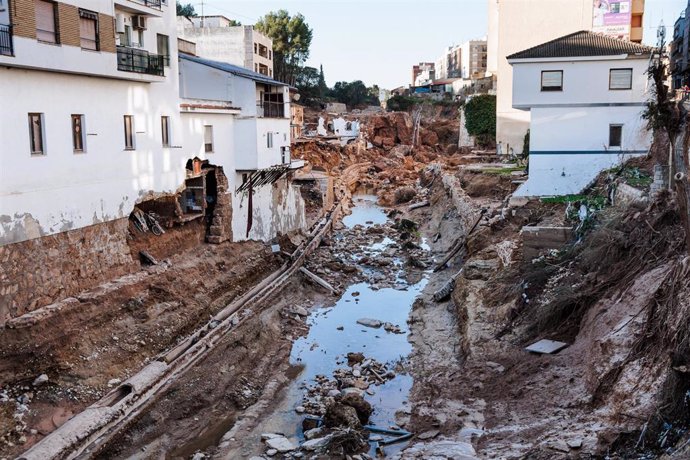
{"x": 40, "y": 271}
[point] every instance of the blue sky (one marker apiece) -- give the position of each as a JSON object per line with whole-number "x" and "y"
{"x": 378, "y": 41}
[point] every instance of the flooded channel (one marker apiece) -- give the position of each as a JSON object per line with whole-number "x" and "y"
{"x": 334, "y": 332}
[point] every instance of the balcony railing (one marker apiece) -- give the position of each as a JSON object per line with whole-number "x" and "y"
{"x": 140, "y": 61}
{"x": 150, "y": 3}
{"x": 6, "y": 47}
{"x": 269, "y": 109}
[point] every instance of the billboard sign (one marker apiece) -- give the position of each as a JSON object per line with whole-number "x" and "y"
{"x": 612, "y": 17}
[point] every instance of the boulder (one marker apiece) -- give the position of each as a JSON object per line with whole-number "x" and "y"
{"x": 340, "y": 415}
{"x": 361, "y": 406}
{"x": 370, "y": 322}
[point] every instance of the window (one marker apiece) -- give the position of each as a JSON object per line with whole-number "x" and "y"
{"x": 78, "y": 139}
{"x": 88, "y": 30}
{"x": 620, "y": 79}
{"x": 285, "y": 155}
{"x": 270, "y": 55}
{"x": 552, "y": 80}
{"x": 165, "y": 130}
{"x": 46, "y": 22}
{"x": 256, "y": 49}
{"x": 269, "y": 140}
{"x": 164, "y": 48}
{"x": 37, "y": 134}
{"x": 129, "y": 132}
{"x": 208, "y": 139}
{"x": 615, "y": 135}
{"x": 126, "y": 36}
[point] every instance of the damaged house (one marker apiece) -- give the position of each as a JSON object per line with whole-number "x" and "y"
{"x": 586, "y": 93}
{"x": 96, "y": 127}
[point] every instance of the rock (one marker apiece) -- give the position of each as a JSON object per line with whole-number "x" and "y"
{"x": 201, "y": 456}
{"x": 114, "y": 382}
{"x": 40, "y": 380}
{"x": 301, "y": 311}
{"x": 559, "y": 445}
{"x": 393, "y": 328}
{"x": 317, "y": 443}
{"x": 340, "y": 328}
{"x": 299, "y": 409}
{"x": 574, "y": 443}
{"x": 352, "y": 390}
{"x": 333, "y": 393}
{"x": 404, "y": 195}
{"x": 495, "y": 366}
{"x": 360, "y": 405}
{"x": 313, "y": 433}
{"x": 354, "y": 358}
{"x": 428, "y": 435}
{"x": 370, "y": 322}
{"x": 281, "y": 444}
{"x": 271, "y": 452}
{"x": 267, "y": 436}
{"x": 340, "y": 415}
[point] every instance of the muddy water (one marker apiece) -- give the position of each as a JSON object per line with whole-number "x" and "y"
{"x": 334, "y": 332}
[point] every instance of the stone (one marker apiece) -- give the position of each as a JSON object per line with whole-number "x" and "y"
{"x": 340, "y": 415}
{"x": 354, "y": 358}
{"x": 301, "y": 311}
{"x": 428, "y": 435}
{"x": 316, "y": 443}
{"x": 299, "y": 409}
{"x": 352, "y": 390}
{"x": 574, "y": 443}
{"x": 281, "y": 444}
{"x": 271, "y": 452}
{"x": 333, "y": 393}
{"x": 114, "y": 382}
{"x": 313, "y": 433}
{"x": 40, "y": 380}
{"x": 370, "y": 322}
{"x": 267, "y": 436}
{"x": 361, "y": 406}
{"x": 559, "y": 446}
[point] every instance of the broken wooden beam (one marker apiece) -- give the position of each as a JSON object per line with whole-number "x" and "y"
{"x": 421, "y": 204}
{"x": 318, "y": 280}
{"x": 460, "y": 244}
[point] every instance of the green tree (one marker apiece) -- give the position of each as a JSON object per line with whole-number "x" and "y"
{"x": 480, "y": 118}
{"x": 323, "y": 88}
{"x": 307, "y": 83}
{"x": 354, "y": 93}
{"x": 186, "y": 10}
{"x": 291, "y": 37}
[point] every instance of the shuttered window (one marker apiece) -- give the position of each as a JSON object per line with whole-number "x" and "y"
{"x": 78, "y": 141}
{"x": 620, "y": 79}
{"x": 36, "y": 134}
{"x": 88, "y": 30}
{"x": 46, "y": 28}
{"x": 129, "y": 132}
{"x": 552, "y": 80}
{"x": 165, "y": 131}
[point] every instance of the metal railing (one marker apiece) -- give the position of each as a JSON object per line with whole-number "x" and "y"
{"x": 140, "y": 61}
{"x": 6, "y": 47}
{"x": 270, "y": 109}
{"x": 150, "y": 3}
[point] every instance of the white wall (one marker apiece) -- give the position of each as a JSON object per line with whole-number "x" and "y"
{"x": 584, "y": 82}
{"x": 569, "y": 146}
{"x": 521, "y": 25}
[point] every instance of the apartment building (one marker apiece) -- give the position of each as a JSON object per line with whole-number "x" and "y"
{"x": 99, "y": 115}
{"x": 516, "y": 25}
{"x": 679, "y": 58}
{"x": 449, "y": 65}
{"x": 218, "y": 39}
{"x": 473, "y": 59}
{"x": 423, "y": 72}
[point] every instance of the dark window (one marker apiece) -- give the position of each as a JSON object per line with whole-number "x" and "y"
{"x": 620, "y": 79}
{"x": 165, "y": 130}
{"x": 36, "y": 134}
{"x": 164, "y": 48}
{"x": 552, "y": 80}
{"x": 615, "y": 135}
{"x": 46, "y": 22}
{"x": 88, "y": 30}
{"x": 208, "y": 139}
{"x": 78, "y": 133}
{"x": 129, "y": 132}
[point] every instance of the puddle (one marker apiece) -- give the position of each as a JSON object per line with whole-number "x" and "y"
{"x": 334, "y": 332}
{"x": 365, "y": 212}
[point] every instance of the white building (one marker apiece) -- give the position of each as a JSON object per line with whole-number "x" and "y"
{"x": 585, "y": 93}
{"x": 218, "y": 39}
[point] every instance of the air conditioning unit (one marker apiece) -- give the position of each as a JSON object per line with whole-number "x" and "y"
{"x": 139, "y": 22}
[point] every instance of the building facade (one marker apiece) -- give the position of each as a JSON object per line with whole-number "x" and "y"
{"x": 679, "y": 53}
{"x": 100, "y": 116}
{"x": 473, "y": 60}
{"x": 423, "y": 72}
{"x": 585, "y": 93}
{"x": 449, "y": 65}
{"x": 218, "y": 39}
{"x": 519, "y": 24}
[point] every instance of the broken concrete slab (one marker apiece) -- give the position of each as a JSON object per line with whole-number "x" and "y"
{"x": 281, "y": 444}
{"x": 546, "y": 346}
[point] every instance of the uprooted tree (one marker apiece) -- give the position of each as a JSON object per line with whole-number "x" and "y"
{"x": 291, "y": 37}
{"x": 667, "y": 119}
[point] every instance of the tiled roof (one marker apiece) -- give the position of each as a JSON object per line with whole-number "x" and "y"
{"x": 233, "y": 69}
{"x": 582, "y": 44}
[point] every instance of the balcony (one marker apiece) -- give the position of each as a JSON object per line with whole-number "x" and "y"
{"x": 156, "y": 4}
{"x": 270, "y": 109}
{"x": 140, "y": 61}
{"x": 6, "y": 47}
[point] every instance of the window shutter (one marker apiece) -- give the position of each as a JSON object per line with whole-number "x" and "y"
{"x": 87, "y": 33}
{"x": 552, "y": 79}
{"x": 45, "y": 21}
{"x": 620, "y": 79}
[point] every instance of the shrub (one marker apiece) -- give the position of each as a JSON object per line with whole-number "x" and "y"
{"x": 480, "y": 118}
